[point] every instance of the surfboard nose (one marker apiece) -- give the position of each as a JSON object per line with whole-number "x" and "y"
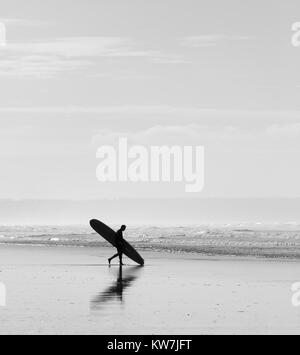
{"x": 93, "y": 222}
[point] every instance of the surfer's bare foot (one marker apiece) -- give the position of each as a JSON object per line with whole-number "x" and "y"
{"x": 109, "y": 261}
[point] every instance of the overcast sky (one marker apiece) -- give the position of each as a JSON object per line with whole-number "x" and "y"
{"x": 222, "y": 74}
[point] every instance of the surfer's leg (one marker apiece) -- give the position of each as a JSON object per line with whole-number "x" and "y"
{"x": 121, "y": 258}
{"x": 113, "y": 257}
{"x": 120, "y": 254}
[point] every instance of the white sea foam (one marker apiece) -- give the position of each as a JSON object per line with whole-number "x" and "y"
{"x": 240, "y": 239}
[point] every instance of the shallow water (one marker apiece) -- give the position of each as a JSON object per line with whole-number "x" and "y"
{"x": 55, "y": 290}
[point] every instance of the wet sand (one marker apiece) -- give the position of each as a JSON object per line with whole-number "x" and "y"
{"x": 66, "y": 290}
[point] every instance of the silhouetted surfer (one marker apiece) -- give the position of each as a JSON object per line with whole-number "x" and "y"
{"x": 119, "y": 245}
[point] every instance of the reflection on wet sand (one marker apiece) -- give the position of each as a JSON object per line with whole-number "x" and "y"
{"x": 116, "y": 290}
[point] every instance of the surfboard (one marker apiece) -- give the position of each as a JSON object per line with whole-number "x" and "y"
{"x": 110, "y": 235}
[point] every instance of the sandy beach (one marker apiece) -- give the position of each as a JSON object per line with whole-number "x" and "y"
{"x": 68, "y": 290}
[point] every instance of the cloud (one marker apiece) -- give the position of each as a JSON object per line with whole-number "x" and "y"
{"x": 225, "y": 138}
{"x": 169, "y": 59}
{"x": 190, "y": 134}
{"x": 17, "y": 22}
{"x": 38, "y": 66}
{"x": 79, "y": 47}
{"x": 136, "y": 110}
{"x": 209, "y": 115}
{"x": 46, "y": 59}
{"x": 289, "y": 131}
{"x": 212, "y": 40}
{"x": 257, "y": 128}
{"x": 2, "y": 35}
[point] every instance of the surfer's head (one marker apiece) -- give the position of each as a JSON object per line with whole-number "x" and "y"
{"x": 123, "y": 227}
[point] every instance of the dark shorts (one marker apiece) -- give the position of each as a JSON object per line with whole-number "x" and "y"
{"x": 119, "y": 248}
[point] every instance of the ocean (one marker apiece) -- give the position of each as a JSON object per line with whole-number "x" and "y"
{"x": 273, "y": 240}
